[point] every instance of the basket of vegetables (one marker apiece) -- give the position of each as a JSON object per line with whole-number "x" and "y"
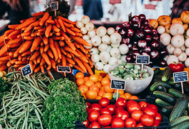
{"x": 131, "y": 73}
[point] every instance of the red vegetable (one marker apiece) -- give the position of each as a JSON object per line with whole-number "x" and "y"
{"x": 149, "y": 111}
{"x": 105, "y": 111}
{"x": 96, "y": 107}
{"x": 137, "y": 115}
{"x": 130, "y": 122}
{"x": 86, "y": 123}
{"x": 147, "y": 120}
{"x": 104, "y": 102}
{"x": 105, "y": 120}
{"x": 111, "y": 108}
{"x": 122, "y": 114}
{"x": 117, "y": 123}
{"x": 121, "y": 102}
{"x": 158, "y": 117}
{"x": 176, "y": 67}
{"x": 93, "y": 116}
{"x": 94, "y": 125}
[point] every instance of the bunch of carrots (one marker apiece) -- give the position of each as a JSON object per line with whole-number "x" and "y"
{"x": 44, "y": 42}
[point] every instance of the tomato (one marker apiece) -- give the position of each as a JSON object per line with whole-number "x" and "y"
{"x": 105, "y": 111}
{"x": 105, "y": 120}
{"x": 142, "y": 104}
{"x": 131, "y": 102}
{"x": 121, "y": 102}
{"x": 114, "y": 116}
{"x": 133, "y": 107}
{"x": 117, "y": 123}
{"x": 139, "y": 125}
{"x": 93, "y": 116}
{"x": 108, "y": 127}
{"x": 136, "y": 115}
{"x": 156, "y": 123}
{"x": 90, "y": 110}
{"x": 122, "y": 114}
{"x": 130, "y": 122}
{"x": 158, "y": 117}
{"x": 86, "y": 123}
{"x": 111, "y": 108}
{"x": 94, "y": 125}
{"x": 88, "y": 106}
{"x": 147, "y": 120}
{"x": 96, "y": 106}
{"x": 154, "y": 107}
{"x": 149, "y": 111}
{"x": 118, "y": 109}
{"x": 104, "y": 102}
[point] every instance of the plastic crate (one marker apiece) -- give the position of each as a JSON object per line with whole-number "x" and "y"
{"x": 163, "y": 125}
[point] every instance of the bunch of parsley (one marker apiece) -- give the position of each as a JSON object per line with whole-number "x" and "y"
{"x": 64, "y": 106}
{"x": 3, "y": 87}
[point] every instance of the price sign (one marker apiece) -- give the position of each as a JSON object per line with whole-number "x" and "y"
{"x": 142, "y": 59}
{"x": 54, "y": 5}
{"x": 150, "y": 6}
{"x": 115, "y": 1}
{"x": 116, "y": 84}
{"x": 26, "y": 70}
{"x": 64, "y": 69}
{"x": 180, "y": 77}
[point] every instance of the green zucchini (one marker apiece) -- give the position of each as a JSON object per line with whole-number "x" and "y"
{"x": 166, "y": 74}
{"x": 179, "y": 108}
{"x": 162, "y": 103}
{"x": 178, "y": 121}
{"x": 177, "y": 93}
{"x": 165, "y": 96}
{"x": 161, "y": 88}
{"x": 156, "y": 71}
{"x": 154, "y": 86}
{"x": 185, "y": 113}
{"x": 183, "y": 125}
{"x": 171, "y": 81}
{"x": 167, "y": 110}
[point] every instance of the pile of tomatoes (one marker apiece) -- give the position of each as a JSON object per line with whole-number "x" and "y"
{"x": 121, "y": 114}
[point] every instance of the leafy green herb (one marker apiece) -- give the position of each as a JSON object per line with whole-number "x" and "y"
{"x": 3, "y": 85}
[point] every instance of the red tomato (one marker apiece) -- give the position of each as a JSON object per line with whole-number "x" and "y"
{"x": 114, "y": 116}
{"x": 156, "y": 123}
{"x": 142, "y": 104}
{"x": 154, "y": 107}
{"x": 121, "y": 102}
{"x": 96, "y": 106}
{"x": 108, "y": 127}
{"x": 118, "y": 109}
{"x": 139, "y": 125}
{"x": 94, "y": 125}
{"x": 136, "y": 115}
{"x": 131, "y": 102}
{"x": 158, "y": 117}
{"x": 133, "y": 107}
{"x": 111, "y": 108}
{"x": 88, "y": 106}
{"x": 149, "y": 111}
{"x": 93, "y": 116}
{"x": 117, "y": 123}
{"x": 130, "y": 122}
{"x": 105, "y": 120}
{"x": 122, "y": 114}
{"x": 105, "y": 111}
{"x": 86, "y": 123}
{"x": 90, "y": 110}
{"x": 147, "y": 120}
{"x": 104, "y": 102}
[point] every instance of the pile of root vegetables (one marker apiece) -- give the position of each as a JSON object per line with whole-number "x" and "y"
{"x": 44, "y": 42}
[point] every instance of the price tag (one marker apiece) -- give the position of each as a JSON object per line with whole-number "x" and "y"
{"x": 142, "y": 59}
{"x": 64, "y": 69}
{"x": 130, "y": 16}
{"x": 115, "y": 1}
{"x": 180, "y": 77}
{"x": 116, "y": 84}
{"x": 54, "y": 5}
{"x": 150, "y": 6}
{"x": 26, "y": 70}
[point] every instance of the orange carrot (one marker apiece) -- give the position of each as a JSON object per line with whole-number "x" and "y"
{"x": 51, "y": 34}
{"x": 41, "y": 44}
{"x": 70, "y": 61}
{"x": 44, "y": 18}
{"x": 16, "y": 66}
{"x": 37, "y": 14}
{"x": 65, "y": 36}
{"x": 5, "y": 62}
{"x": 3, "y": 50}
{"x": 35, "y": 55}
{"x": 41, "y": 30}
{"x": 88, "y": 68}
{"x": 25, "y": 46}
{"x": 31, "y": 64}
{"x": 53, "y": 63}
{"x": 56, "y": 38}
{"x": 83, "y": 49}
{"x": 37, "y": 69}
{"x": 37, "y": 49}
{"x": 38, "y": 59}
{"x": 29, "y": 28}
{"x": 62, "y": 25}
{"x": 49, "y": 52}
{"x": 56, "y": 23}
{"x": 42, "y": 61}
{"x": 19, "y": 57}
{"x": 12, "y": 26}
{"x": 78, "y": 34}
{"x": 79, "y": 68}
{"x": 57, "y": 34}
{"x": 70, "y": 32}
{"x": 78, "y": 61}
{"x": 37, "y": 27}
{"x": 3, "y": 67}
{"x": 63, "y": 60}
{"x": 21, "y": 21}
{"x": 16, "y": 32}
{"x": 46, "y": 48}
{"x": 49, "y": 67}
{"x": 10, "y": 54}
{"x": 68, "y": 55}
{"x": 63, "y": 52}
{"x": 26, "y": 33}
{"x": 6, "y": 33}
{"x": 35, "y": 44}
{"x": 34, "y": 34}
{"x": 56, "y": 29}
{"x": 20, "y": 62}
{"x": 35, "y": 24}
{"x": 80, "y": 40}
{"x": 59, "y": 60}
{"x": 91, "y": 64}
{"x": 50, "y": 21}
{"x": 72, "y": 55}
{"x": 41, "y": 49}
{"x": 50, "y": 18}
{"x": 68, "y": 25}
{"x": 28, "y": 58}
{"x": 5, "y": 58}
{"x": 42, "y": 69}
{"x": 45, "y": 40}
{"x": 58, "y": 50}
{"x": 14, "y": 45}
{"x": 8, "y": 63}
{"x": 70, "y": 65}
{"x": 76, "y": 44}
{"x": 66, "y": 48}
{"x": 75, "y": 29}
{"x": 40, "y": 33}
{"x": 71, "y": 45}
{"x": 65, "y": 19}
{"x": 24, "y": 58}
{"x": 26, "y": 23}
{"x": 28, "y": 37}
{"x": 61, "y": 43}
{"x": 82, "y": 57}
{"x": 26, "y": 53}
{"x": 34, "y": 61}
{"x": 52, "y": 46}
{"x": 13, "y": 61}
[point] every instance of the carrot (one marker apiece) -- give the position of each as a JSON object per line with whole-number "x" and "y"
{"x": 5, "y": 62}
{"x": 19, "y": 57}
{"x": 14, "y": 45}
{"x": 45, "y": 40}
{"x": 40, "y": 33}
{"x": 5, "y": 58}
{"x": 41, "y": 30}
{"x": 35, "y": 44}
{"x": 75, "y": 29}
{"x": 10, "y": 54}
{"x": 58, "y": 50}
{"x": 26, "y": 33}
{"x": 88, "y": 68}
{"x": 66, "y": 48}
{"x": 65, "y": 36}
{"x": 26, "y": 53}
{"x": 16, "y": 32}
{"x": 32, "y": 65}
{"x": 19, "y": 68}
{"x": 3, "y": 67}
{"x": 38, "y": 59}
{"x": 53, "y": 63}
{"x": 50, "y": 21}
{"x": 83, "y": 49}
{"x": 70, "y": 65}
{"x": 62, "y": 25}
{"x": 37, "y": 69}
{"x": 42, "y": 61}
{"x": 28, "y": 37}
{"x": 28, "y": 58}
{"x": 42, "y": 69}
{"x": 51, "y": 34}
{"x": 44, "y": 18}
{"x": 79, "y": 68}
{"x": 11, "y": 37}
{"x": 20, "y": 62}
{"x": 63, "y": 52}
{"x": 25, "y": 46}
{"x": 68, "y": 55}
{"x": 24, "y": 58}
{"x": 35, "y": 24}
{"x": 59, "y": 60}
{"x": 12, "y": 26}
{"x": 3, "y": 50}
{"x": 78, "y": 34}
{"x": 41, "y": 49}
{"x": 76, "y": 44}
{"x": 35, "y": 55}
{"x": 52, "y": 46}
{"x": 13, "y": 61}
{"x": 70, "y": 61}
{"x": 65, "y": 19}
{"x": 37, "y": 27}
{"x": 56, "y": 29}
{"x": 61, "y": 43}
{"x": 80, "y": 41}
{"x": 63, "y": 60}
{"x": 6, "y": 33}
{"x": 70, "y": 32}
{"x": 90, "y": 63}
{"x": 16, "y": 66}
{"x": 26, "y": 23}
{"x": 34, "y": 34}
{"x": 46, "y": 48}
{"x": 37, "y": 49}
{"x": 72, "y": 55}
{"x": 71, "y": 45}
{"x": 68, "y": 25}
{"x": 37, "y": 14}
{"x": 56, "y": 38}
{"x": 78, "y": 61}
{"x": 8, "y": 63}
{"x": 57, "y": 34}
{"x": 21, "y": 21}
{"x": 41, "y": 44}
{"x": 34, "y": 61}
{"x": 50, "y": 18}
{"x": 49, "y": 67}
{"x": 29, "y": 28}
{"x": 56, "y": 23}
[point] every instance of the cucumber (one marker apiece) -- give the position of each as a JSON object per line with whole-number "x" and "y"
{"x": 177, "y": 93}
{"x": 179, "y": 108}
{"x": 183, "y": 125}
{"x": 154, "y": 86}
{"x": 167, "y": 110}
{"x": 185, "y": 113}
{"x": 161, "y": 88}
{"x": 165, "y": 96}
{"x": 156, "y": 71}
{"x": 178, "y": 121}
{"x": 185, "y": 85}
{"x": 171, "y": 81}
{"x": 166, "y": 74}
{"x": 162, "y": 103}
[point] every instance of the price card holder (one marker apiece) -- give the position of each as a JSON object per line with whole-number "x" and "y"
{"x": 26, "y": 70}
{"x": 180, "y": 77}
{"x": 64, "y": 69}
{"x": 142, "y": 60}
{"x": 115, "y": 1}
{"x": 54, "y": 6}
{"x": 130, "y": 16}
{"x": 119, "y": 85}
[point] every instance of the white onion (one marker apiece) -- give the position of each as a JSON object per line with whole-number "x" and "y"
{"x": 99, "y": 66}
{"x": 115, "y": 45}
{"x": 182, "y": 57}
{"x": 161, "y": 29}
{"x": 115, "y": 38}
{"x": 96, "y": 40}
{"x": 183, "y": 48}
{"x": 118, "y": 56}
{"x": 165, "y": 39}
{"x": 113, "y": 61}
{"x": 89, "y": 26}
{"x": 114, "y": 52}
{"x": 104, "y": 56}
{"x": 177, "y": 51}
{"x": 94, "y": 51}
{"x": 91, "y": 33}
{"x": 124, "y": 49}
{"x": 102, "y": 47}
{"x": 172, "y": 59}
{"x": 85, "y": 19}
{"x": 177, "y": 41}
{"x": 109, "y": 48}
{"x": 90, "y": 43}
{"x": 86, "y": 37}
{"x": 106, "y": 39}
{"x": 110, "y": 30}
{"x": 176, "y": 29}
{"x": 170, "y": 49}
{"x": 187, "y": 51}
{"x": 83, "y": 30}
{"x": 120, "y": 61}
{"x": 123, "y": 58}
{"x": 95, "y": 58}
{"x": 106, "y": 68}
{"x": 186, "y": 42}
{"x": 79, "y": 24}
{"x": 187, "y": 32}
{"x": 101, "y": 31}
{"x": 187, "y": 62}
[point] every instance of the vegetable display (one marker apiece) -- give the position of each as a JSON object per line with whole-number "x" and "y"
{"x": 176, "y": 67}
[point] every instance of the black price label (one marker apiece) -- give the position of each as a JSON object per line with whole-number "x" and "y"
{"x": 142, "y": 59}
{"x": 54, "y": 5}
{"x": 65, "y": 69}
{"x": 26, "y": 70}
{"x": 116, "y": 84}
{"x": 129, "y": 16}
{"x": 180, "y": 77}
